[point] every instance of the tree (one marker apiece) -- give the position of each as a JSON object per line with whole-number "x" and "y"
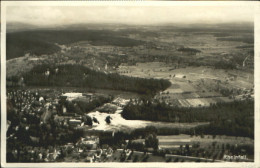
{"x": 87, "y": 120}
{"x": 108, "y": 119}
{"x": 145, "y": 158}
{"x": 187, "y": 149}
{"x": 169, "y": 160}
{"x": 122, "y": 157}
{"x": 152, "y": 141}
{"x": 95, "y": 120}
{"x": 135, "y": 158}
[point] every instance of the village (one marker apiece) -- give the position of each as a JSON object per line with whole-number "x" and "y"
{"x": 49, "y": 111}
{"x": 131, "y": 94}
{"x": 37, "y": 111}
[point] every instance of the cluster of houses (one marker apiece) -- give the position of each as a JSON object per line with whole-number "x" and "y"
{"x": 38, "y": 154}
{"x": 26, "y": 103}
{"x": 88, "y": 145}
{"x": 41, "y": 107}
{"x": 67, "y": 118}
{"x": 30, "y": 107}
{"x": 66, "y": 121}
{"x": 120, "y": 102}
{"x": 245, "y": 94}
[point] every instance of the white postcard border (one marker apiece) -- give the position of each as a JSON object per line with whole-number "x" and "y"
{"x": 254, "y": 4}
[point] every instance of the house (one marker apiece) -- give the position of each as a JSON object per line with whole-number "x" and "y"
{"x": 89, "y": 159}
{"x": 89, "y": 142}
{"x": 74, "y": 122}
{"x": 40, "y": 156}
{"x": 109, "y": 152}
{"x": 56, "y": 154}
{"x": 35, "y": 139}
{"x": 88, "y": 95}
{"x": 120, "y": 102}
{"x": 150, "y": 149}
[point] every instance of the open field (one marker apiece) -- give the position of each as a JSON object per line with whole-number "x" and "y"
{"x": 177, "y": 140}
{"x": 214, "y": 147}
{"x": 18, "y": 66}
{"x": 193, "y": 86}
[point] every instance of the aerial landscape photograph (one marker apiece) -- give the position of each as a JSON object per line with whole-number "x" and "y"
{"x": 134, "y": 84}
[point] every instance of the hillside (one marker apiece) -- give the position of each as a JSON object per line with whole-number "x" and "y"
{"x": 40, "y": 42}
{"x": 80, "y": 76}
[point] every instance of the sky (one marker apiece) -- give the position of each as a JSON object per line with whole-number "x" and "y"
{"x": 52, "y": 15}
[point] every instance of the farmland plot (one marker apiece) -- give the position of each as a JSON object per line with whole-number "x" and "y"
{"x": 216, "y": 146}
{"x": 191, "y": 86}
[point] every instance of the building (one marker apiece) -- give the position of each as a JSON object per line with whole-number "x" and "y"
{"x": 120, "y": 102}
{"x": 89, "y": 142}
{"x": 74, "y": 122}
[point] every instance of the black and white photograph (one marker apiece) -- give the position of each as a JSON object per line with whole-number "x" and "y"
{"x": 159, "y": 83}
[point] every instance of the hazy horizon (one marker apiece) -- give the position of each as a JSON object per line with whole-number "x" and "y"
{"x": 67, "y": 15}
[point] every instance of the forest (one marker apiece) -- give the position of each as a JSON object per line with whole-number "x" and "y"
{"x": 40, "y": 42}
{"x": 233, "y": 118}
{"x": 80, "y": 76}
{"x": 189, "y": 50}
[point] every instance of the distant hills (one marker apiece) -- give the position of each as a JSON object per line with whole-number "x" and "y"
{"x": 42, "y": 41}
{"x": 25, "y": 38}
{"x": 19, "y": 26}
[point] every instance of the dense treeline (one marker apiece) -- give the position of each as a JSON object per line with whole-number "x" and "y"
{"x": 234, "y": 118}
{"x": 222, "y": 64}
{"x": 237, "y": 127}
{"x": 80, "y": 76}
{"x": 162, "y": 112}
{"x": 247, "y": 39}
{"x": 18, "y": 46}
{"x": 43, "y": 41}
{"x": 190, "y": 50}
{"x": 250, "y": 46}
